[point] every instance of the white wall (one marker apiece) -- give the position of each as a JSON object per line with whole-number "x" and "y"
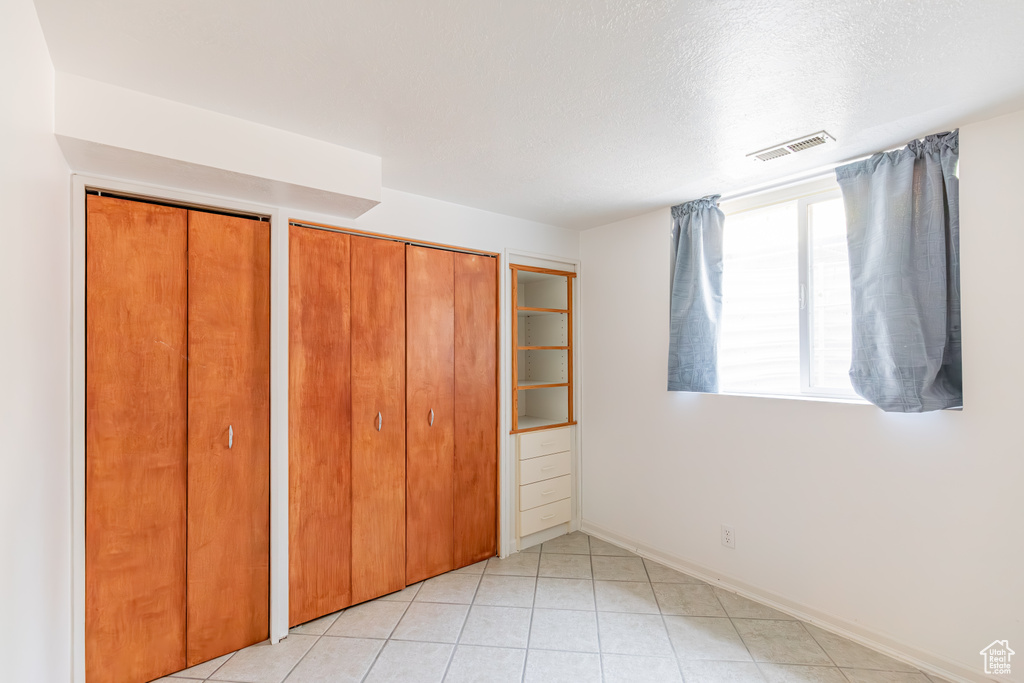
{"x": 35, "y": 347}
{"x": 905, "y": 529}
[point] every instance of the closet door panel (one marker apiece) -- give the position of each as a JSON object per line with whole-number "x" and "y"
{"x": 319, "y": 424}
{"x": 228, "y": 434}
{"x": 135, "y": 440}
{"x": 476, "y": 406}
{"x": 430, "y": 309}
{"x": 378, "y": 387}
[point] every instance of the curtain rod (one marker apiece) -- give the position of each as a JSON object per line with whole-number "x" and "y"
{"x": 819, "y": 172}
{"x": 795, "y": 179}
{"x": 813, "y": 174}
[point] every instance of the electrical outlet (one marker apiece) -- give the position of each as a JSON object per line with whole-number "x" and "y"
{"x": 728, "y": 536}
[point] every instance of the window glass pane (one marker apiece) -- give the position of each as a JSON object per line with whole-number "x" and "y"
{"x": 759, "y": 346}
{"x": 830, "y": 315}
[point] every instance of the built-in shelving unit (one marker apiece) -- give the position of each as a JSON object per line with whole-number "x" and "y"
{"x": 542, "y": 364}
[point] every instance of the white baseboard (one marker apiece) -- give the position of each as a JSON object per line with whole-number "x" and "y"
{"x": 928, "y": 662}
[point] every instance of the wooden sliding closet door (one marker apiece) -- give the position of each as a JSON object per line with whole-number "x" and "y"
{"x": 378, "y": 445}
{"x": 430, "y": 351}
{"x": 135, "y": 440}
{"x": 319, "y": 424}
{"x": 476, "y": 408}
{"x": 228, "y": 433}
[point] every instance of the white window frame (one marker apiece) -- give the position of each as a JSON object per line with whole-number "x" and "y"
{"x": 805, "y": 193}
{"x": 806, "y": 277}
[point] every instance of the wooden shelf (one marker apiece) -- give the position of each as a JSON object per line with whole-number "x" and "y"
{"x": 529, "y": 423}
{"x": 540, "y": 384}
{"x": 542, "y": 348}
{"x": 527, "y": 310}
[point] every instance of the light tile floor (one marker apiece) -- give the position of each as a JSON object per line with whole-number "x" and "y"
{"x": 577, "y": 609}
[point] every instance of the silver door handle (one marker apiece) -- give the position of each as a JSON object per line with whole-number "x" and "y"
{"x": 380, "y": 421}
{"x": 231, "y": 436}
{"x": 431, "y": 420}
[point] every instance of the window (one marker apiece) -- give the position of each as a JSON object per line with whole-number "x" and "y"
{"x": 786, "y": 321}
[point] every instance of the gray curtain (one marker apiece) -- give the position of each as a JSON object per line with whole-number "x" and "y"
{"x": 696, "y": 306}
{"x": 903, "y": 233}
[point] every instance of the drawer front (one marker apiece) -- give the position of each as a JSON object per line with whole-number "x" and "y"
{"x": 544, "y": 467}
{"x": 544, "y": 517}
{"x": 536, "y": 444}
{"x": 544, "y": 492}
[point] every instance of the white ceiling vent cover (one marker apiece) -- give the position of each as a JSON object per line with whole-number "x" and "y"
{"x": 793, "y": 146}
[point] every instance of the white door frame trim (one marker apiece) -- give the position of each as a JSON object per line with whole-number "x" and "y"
{"x": 509, "y": 454}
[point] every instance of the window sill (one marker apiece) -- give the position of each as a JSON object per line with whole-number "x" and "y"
{"x": 800, "y": 397}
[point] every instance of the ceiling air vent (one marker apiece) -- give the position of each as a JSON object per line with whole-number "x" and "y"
{"x": 793, "y": 146}
{"x": 773, "y": 153}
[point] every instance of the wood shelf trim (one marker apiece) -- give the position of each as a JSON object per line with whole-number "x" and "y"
{"x": 537, "y": 429}
{"x": 542, "y": 348}
{"x": 548, "y": 271}
{"x": 527, "y": 387}
{"x": 515, "y": 356}
{"x": 542, "y": 310}
{"x": 569, "y": 352}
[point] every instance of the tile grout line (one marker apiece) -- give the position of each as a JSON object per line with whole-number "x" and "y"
{"x": 613, "y": 611}
{"x": 757, "y": 665}
{"x": 497, "y": 647}
{"x": 533, "y": 606}
{"x": 390, "y": 633}
{"x": 842, "y": 671}
{"x": 610, "y": 611}
{"x": 458, "y": 638}
{"x": 214, "y": 672}
{"x": 304, "y": 654}
{"x": 664, "y": 623}
{"x": 584, "y": 578}
{"x": 578, "y": 652}
{"x": 821, "y": 647}
{"x": 597, "y": 612}
{"x": 582, "y": 652}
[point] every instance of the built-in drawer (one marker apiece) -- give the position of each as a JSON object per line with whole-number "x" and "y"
{"x": 536, "y": 444}
{"x": 544, "y": 492}
{"x": 544, "y": 517}
{"x": 544, "y": 467}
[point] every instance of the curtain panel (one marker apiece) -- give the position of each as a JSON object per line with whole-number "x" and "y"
{"x": 696, "y": 302}
{"x": 903, "y": 235}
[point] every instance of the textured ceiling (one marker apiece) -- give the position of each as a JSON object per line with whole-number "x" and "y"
{"x": 571, "y": 112}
